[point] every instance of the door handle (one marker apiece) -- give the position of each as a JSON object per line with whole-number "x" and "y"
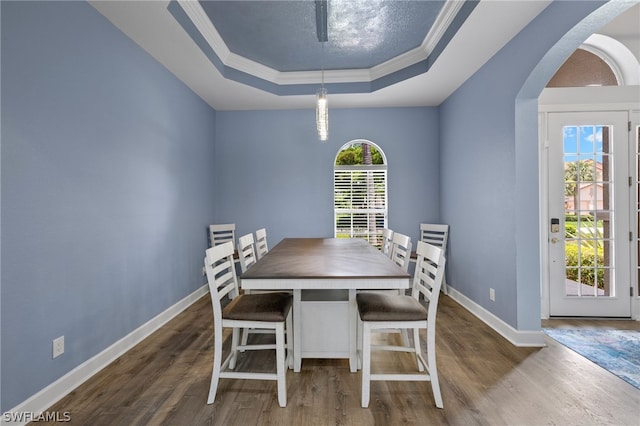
{"x": 555, "y": 240}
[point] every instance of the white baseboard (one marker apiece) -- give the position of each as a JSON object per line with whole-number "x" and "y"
{"x": 60, "y": 388}
{"x": 530, "y": 338}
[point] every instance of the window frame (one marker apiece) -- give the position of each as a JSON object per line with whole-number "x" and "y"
{"x": 380, "y": 212}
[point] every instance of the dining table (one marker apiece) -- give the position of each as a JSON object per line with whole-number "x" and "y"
{"x": 324, "y": 275}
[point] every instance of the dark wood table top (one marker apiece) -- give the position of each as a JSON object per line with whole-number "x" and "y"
{"x": 325, "y": 258}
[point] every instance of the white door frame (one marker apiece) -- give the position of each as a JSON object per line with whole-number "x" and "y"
{"x": 634, "y": 117}
{"x": 583, "y": 99}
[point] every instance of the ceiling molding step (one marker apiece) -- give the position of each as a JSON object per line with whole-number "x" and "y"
{"x": 200, "y": 19}
{"x": 442, "y": 22}
{"x": 198, "y": 16}
{"x": 330, "y": 76}
{"x": 398, "y": 63}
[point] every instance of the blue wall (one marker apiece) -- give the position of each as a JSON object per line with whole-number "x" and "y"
{"x": 107, "y": 169}
{"x": 273, "y": 172}
{"x": 489, "y": 147}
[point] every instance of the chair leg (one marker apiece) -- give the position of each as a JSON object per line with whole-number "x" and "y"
{"x": 289, "y": 343}
{"x": 404, "y": 332}
{"x": 405, "y": 337}
{"x": 359, "y": 333}
{"x": 245, "y": 338}
{"x": 416, "y": 345}
{"x": 217, "y": 361}
{"x": 235, "y": 337}
{"x": 433, "y": 369}
{"x": 281, "y": 368}
{"x": 366, "y": 364}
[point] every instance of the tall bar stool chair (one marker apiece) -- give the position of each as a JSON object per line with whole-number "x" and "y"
{"x": 262, "y": 247}
{"x": 377, "y": 311}
{"x": 246, "y": 252}
{"x": 436, "y": 235}
{"x": 400, "y": 253}
{"x": 247, "y": 255}
{"x": 221, "y": 233}
{"x": 387, "y": 241}
{"x": 265, "y": 310}
{"x": 401, "y": 250}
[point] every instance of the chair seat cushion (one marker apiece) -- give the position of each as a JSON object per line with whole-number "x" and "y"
{"x": 268, "y": 307}
{"x": 388, "y": 307}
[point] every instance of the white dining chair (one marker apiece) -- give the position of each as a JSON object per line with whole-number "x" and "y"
{"x": 246, "y": 252}
{"x": 262, "y": 247}
{"x": 221, "y": 233}
{"x": 247, "y": 255}
{"x": 378, "y": 311}
{"x": 437, "y": 235}
{"x": 387, "y": 241}
{"x": 401, "y": 250}
{"x": 264, "y": 310}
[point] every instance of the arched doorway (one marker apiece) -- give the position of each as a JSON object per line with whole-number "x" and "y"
{"x": 530, "y": 272}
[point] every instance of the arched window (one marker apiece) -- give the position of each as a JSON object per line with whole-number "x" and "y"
{"x": 582, "y": 69}
{"x": 600, "y": 61}
{"x": 360, "y": 191}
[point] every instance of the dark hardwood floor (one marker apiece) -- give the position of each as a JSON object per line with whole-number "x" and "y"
{"x": 484, "y": 380}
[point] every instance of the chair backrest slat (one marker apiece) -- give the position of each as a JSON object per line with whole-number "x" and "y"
{"x": 221, "y": 233}
{"x": 434, "y": 234}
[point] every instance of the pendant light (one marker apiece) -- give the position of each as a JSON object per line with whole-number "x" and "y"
{"x": 322, "y": 103}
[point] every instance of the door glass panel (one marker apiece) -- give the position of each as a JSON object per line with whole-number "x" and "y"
{"x": 589, "y": 270}
{"x": 588, "y": 190}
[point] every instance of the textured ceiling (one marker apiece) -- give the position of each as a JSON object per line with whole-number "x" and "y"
{"x": 229, "y": 73}
{"x": 274, "y": 45}
{"x": 361, "y": 34}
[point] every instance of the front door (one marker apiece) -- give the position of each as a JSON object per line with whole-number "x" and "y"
{"x": 589, "y": 209}
{"x": 635, "y": 199}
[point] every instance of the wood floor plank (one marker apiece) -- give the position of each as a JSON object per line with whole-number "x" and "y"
{"x": 484, "y": 381}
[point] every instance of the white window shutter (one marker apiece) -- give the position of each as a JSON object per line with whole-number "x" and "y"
{"x": 360, "y": 202}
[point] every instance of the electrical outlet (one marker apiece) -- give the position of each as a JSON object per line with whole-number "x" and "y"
{"x": 492, "y": 294}
{"x": 58, "y": 346}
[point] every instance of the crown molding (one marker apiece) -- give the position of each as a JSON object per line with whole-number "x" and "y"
{"x": 443, "y": 21}
{"x": 200, "y": 19}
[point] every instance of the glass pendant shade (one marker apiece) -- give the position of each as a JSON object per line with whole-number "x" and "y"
{"x": 322, "y": 114}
